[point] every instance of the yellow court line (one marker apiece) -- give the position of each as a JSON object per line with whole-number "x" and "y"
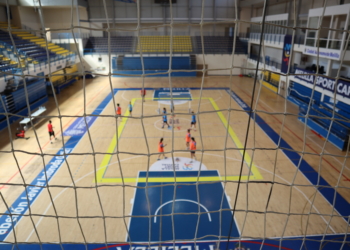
{"x": 247, "y": 159}
{"x": 106, "y": 160}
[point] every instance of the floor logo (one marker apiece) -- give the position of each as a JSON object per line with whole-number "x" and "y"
{"x": 177, "y": 164}
{"x": 187, "y": 166}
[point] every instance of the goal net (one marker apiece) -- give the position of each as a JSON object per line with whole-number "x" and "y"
{"x": 256, "y": 152}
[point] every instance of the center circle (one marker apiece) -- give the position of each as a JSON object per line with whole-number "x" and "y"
{"x": 180, "y": 124}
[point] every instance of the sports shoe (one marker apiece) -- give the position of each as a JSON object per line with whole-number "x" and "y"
{"x": 163, "y": 127}
{"x": 165, "y": 157}
{"x": 158, "y": 159}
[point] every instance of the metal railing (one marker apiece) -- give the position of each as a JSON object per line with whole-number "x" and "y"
{"x": 271, "y": 63}
{"x": 69, "y": 35}
{"x": 277, "y": 39}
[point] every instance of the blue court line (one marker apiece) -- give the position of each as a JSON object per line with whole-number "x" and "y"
{"x": 341, "y": 205}
{"x": 21, "y": 205}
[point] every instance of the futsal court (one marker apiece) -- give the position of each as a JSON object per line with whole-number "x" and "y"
{"x": 141, "y": 199}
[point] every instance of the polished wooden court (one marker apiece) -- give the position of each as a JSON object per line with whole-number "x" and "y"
{"x": 112, "y": 153}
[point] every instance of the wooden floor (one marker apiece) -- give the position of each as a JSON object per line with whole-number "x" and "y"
{"x": 21, "y": 161}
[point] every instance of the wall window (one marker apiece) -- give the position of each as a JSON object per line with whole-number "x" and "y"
{"x": 337, "y": 36}
{"x": 312, "y": 34}
{"x": 324, "y": 31}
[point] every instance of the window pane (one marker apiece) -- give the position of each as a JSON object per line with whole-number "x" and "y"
{"x": 326, "y": 23}
{"x": 339, "y": 24}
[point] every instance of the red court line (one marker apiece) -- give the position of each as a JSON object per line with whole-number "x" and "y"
{"x": 59, "y": 132}
{"x": 308, "y": 145}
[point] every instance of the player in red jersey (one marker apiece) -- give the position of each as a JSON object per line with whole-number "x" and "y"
{"x": 119, "y": 110}
{"x": 161, "y": 149}
{"x": 193, "y": 148}
{"x": 188, "y": 138}
{"x": 51, "y": 132}
{"x": 143, "y": 94}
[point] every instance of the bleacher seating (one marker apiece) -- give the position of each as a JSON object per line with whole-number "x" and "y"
{"x": 122, "y": 45}
{"x": 29, "y": 47}
{"x": 320, "y": 114}
{"x": 219, "y": 45}
{"x": 16, "y": 101}
{"x": 161, "y": 44}
{"x": 299, "y": 94}
{"x": 61, "y": 79}
{"x": 6, "y": 65}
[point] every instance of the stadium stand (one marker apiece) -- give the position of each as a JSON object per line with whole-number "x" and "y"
{"x": 161, "y": 44}
{"x": 123, "y": 44}
{"x": 219, "y": 45}
{"x": 62, "y": 79}
{"x": 15, "y": 100}
{"x": 320, "y": 114}
{"x": 30, "y": 48}
{"x": 6, "y": 64}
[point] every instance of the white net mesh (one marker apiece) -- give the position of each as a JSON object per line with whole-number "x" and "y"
{"x": 227, "y": 165}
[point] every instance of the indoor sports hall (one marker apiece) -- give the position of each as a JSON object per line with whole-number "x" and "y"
{"x": 176, "y": 124}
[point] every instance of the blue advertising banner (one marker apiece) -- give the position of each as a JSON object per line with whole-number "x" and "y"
{"x": 286, "y": 53}
{"x": 342, "y": 88}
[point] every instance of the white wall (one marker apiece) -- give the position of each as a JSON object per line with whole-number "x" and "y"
{"x": 60, "y": 18}
{"x": 245, "y": 15}
{"x": 273, "y": 53}
{"x": 54, "y": 18}
{"x": 297, "y": 58}
{"x": 345, "y": 69}
{"x": 91, "y": 63}
{"x": 217, "y": 62}
{"x": 96, "y": 25}
{"x": 313, "y": 60}
{"x": 29, "y": 17}
{"x": 306, "y": 5}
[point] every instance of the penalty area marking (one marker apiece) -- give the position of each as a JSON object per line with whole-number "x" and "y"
{"x": 255, "y": 174}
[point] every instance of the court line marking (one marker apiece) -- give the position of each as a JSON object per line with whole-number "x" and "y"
{"x": 247, "y": 159}
{"x": 155, "y": 105}
{"x": 106, "y": 159}
{"x": 86, "y": 175}
{"x": 255, "y": 174}
{"x": 290, "y": 130}
{"x": 42, "y": 180}
{"x": 166, "y": 203}
{"x": 65, "y": 189}
{"x": 343, "y": 206}
{"x": 47, "y": 142}
{"x": 340, "y": 156}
